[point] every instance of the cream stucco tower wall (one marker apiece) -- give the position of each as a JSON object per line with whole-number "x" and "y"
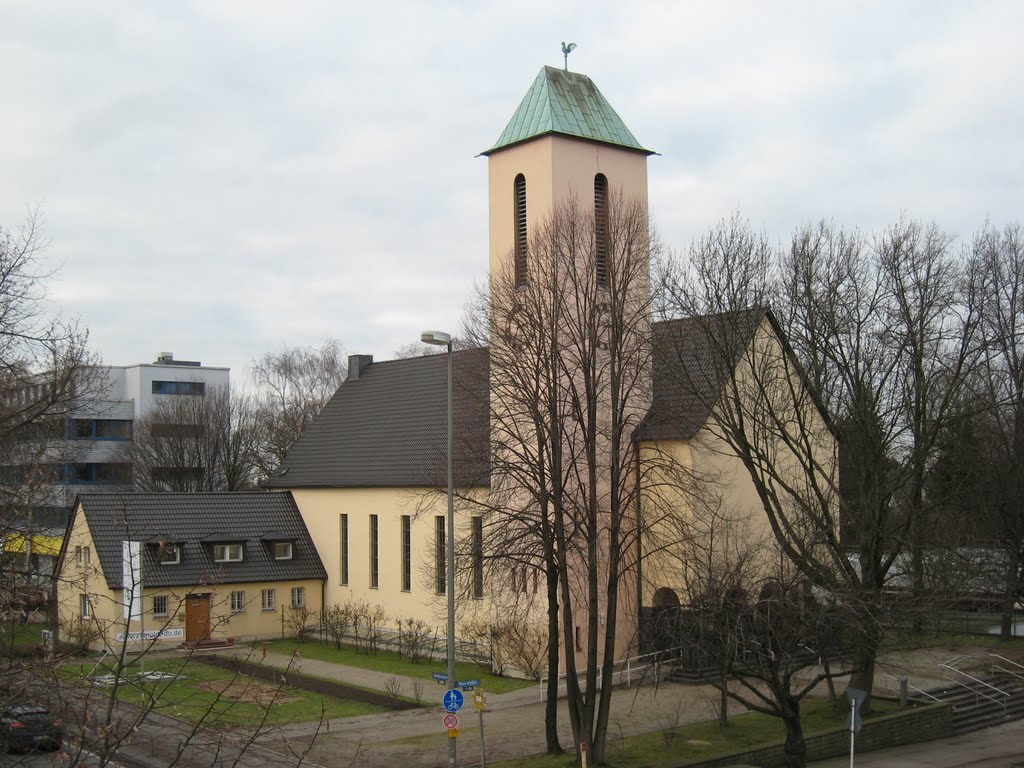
{"x": 562, "y": 137}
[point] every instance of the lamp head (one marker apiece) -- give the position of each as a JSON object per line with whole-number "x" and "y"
{"x": 440, "y": 338}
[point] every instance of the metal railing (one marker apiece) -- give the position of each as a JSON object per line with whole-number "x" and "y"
{"x": 976, "y": 688}
{"x": 1004, "y": 670}
{"x": 977, "y": 693}
{"x": 623, "y": 669}
{"x": 915, "y": 689}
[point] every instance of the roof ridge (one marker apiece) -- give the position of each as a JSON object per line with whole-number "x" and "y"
{"x": 569, "y": 104}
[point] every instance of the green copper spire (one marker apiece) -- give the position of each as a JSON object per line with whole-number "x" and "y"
{"x": 567, "y": 103}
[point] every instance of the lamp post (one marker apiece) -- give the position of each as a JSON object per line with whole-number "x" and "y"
{"x": 442, "y": 339}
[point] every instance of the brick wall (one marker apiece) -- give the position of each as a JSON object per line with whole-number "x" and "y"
{"x": 922, "y": 723}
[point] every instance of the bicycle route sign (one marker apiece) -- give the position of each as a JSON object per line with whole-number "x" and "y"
{"x": 452, "y": 700}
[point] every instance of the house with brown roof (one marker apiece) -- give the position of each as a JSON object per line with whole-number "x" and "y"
{"x": 195, "y": 568}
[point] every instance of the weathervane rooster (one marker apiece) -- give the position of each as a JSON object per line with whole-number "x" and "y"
{"x": 566, "y": 50}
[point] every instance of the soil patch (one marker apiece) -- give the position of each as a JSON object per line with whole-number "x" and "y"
{"x": 249, "y": 693}
{"x": 307, "y": 683}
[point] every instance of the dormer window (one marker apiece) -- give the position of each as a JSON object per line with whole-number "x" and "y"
{"x": 168, "y": 554}
{"x": 227, "y": 553}
{"x": 283, "y": 550}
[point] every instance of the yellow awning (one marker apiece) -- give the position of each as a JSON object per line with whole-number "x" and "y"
{"x": 41, "y": 545}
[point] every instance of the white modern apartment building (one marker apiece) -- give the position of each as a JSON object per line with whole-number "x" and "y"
{"x": 124, "y": 393}
{"x": 87, "y": 456}
{"x": 84, "y": 452}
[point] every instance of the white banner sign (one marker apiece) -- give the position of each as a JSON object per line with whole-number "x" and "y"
{"x": 152, "y": 634}
{"x": 131, "y": 559}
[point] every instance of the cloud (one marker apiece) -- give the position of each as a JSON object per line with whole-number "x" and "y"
{"x": 222, "y": 178}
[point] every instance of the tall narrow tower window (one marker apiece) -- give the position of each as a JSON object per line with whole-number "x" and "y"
{"x": 601, "y": 228}
{"x": 520, "y": 233}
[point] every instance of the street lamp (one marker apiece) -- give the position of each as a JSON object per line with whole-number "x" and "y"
{"x": 442, "y": 339}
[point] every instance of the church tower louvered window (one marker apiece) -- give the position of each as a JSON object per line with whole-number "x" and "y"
{"x": 601, "y": 228}
{"x": 521, "y": 238}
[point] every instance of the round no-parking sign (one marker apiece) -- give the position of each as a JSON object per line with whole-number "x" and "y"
{"x": 451, "y": 722}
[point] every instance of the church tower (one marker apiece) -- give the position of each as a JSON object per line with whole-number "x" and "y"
{"x": 569, "y": 362}
{"x": 563, "y": 141}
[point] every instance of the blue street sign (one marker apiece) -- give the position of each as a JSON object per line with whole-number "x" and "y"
{"x": 441, "y": 677}
{"x": 468, "y": 684}
{"x": 452, "y": 700}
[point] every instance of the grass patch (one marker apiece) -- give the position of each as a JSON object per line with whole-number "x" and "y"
{"x": 17, "y": 638}
{"x": 216, "y": 697}
{"x": 899, "y": 639}
{"x": 390, "y": 663}
{"x": 664, "y": 749}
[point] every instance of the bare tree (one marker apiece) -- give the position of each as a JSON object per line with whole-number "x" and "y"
{"x": 772, "y": 646}
{"x": 989, "y": 458}
{"x": 293, "y": 385}
{"x": 570, "y": 382}
{"x": 195, "y": 443}
{"x": 871, "y": 344}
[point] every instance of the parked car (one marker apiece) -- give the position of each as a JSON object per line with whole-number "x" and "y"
{"x": 28, "y": 727}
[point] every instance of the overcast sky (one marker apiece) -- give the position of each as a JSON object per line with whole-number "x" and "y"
{"x": 220, "y": 179}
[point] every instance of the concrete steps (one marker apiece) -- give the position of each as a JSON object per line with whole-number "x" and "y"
{"x": 976, "y": 705}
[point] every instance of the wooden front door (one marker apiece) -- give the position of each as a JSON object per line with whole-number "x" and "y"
{"x": 197, "y": 618}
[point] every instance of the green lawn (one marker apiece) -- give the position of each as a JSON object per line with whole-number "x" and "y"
{"x": 218, "y": 697}
{"x": 389, "y": 662}
{"x": 701, "y": 741}
{"x": 904, "y": 639}
{"x": 20, "y": 637}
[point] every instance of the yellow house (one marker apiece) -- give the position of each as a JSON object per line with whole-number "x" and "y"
{"x": 165, "y": 569}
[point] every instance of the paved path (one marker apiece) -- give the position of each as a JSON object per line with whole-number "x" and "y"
{"x": 513, "y": 723}
{"x": 998, "y": 747}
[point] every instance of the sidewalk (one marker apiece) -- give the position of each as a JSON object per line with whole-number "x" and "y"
{"x": 1001, "y": 746}
{"x": 513, "y": 723}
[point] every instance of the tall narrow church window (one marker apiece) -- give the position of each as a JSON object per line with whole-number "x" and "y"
{"x": 343, "y": 522}
{"x": 601, "y": 228}
{"x": 440, "y": 574}
{"x": 374, "y": 552}
{"x": 520, "y": 230}
{"x": 478, "y": 556}
{"x": 406, "y": 553}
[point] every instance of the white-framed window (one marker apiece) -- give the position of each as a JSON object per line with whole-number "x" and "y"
{"x": 298, "y": 597}
{"x": 78, "y": 556}
{"x": 283, "y": 550}
{"x": 168, "y": 554}
{"x": 238, "y": 601}
{"x": 160, "y": 605}
{"x": 267, "y": 601}
{"x": 88, "y": 559}
{"x": 85, "y": 607}
{"x": 227, "y": 553}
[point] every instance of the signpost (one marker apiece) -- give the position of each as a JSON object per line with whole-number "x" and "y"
{"x": 856, "y": 697}
{"x": 468, "y": 685}
{"x": 451, "y": 722}
{"x": 453, "y": 700}
{"x": 480, "y": 701}
{"x": 441, "y": 677}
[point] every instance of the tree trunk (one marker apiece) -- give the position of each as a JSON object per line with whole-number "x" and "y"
{"x": 551, "y": 705}
{"x": 1013, "y": 568}
{"x": 723, "y": 696}
{"x": 796, "y": 748}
